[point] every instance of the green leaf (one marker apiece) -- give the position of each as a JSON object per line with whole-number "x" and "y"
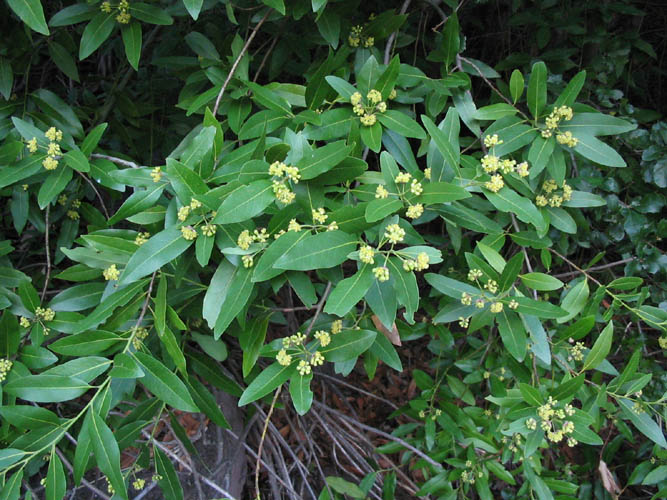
{"x": 328, "y": 24}
{"x": 643, "y": 422}
{"x": 185, "y": 181}
{"x": 138, "y": 201}
{"x": 77, "y": 160}
{"x": 27, "y": 417}
{"x": 539, "y": 308}
{"x": 512, "y": 333}
{"x": 131, "y": 34}
{"x": 442, "y": 192}
{"x": 401, "y": 123}
{"x": 570, "y": 93}
{"x": 193, "y": 7}
{"x": 344, "y": 88}
{"x": 516, "y": 85}
{"x": 31, "y": 13}
{"x": 6, "y": 78}
{"x": 582, "y": 199}
{"x": 86, "y": 344}
{"x": 47, "y": 388}
{"x": 234, "y": 300}
{"x": 562, "y": 220}
{"x": 495, "y": 111}
{"x": 540, "y": 281}
{"x": 540, "y": 154}
{"x": 245, "y": 203}
{"x": 168, "y": 482}
{"x": 269, "y": 99}
{"x": 299, "y": 389}
{"x": 372, "y": 136}
{"x": 264, "y": 269}
{"x": 384, "y": 350}
{"x": 318, "y": 251}
{"x": 340, "y": 485}
{"x": 349, "y": 292}
{"x": 450, "y": 287}
{"x": 379, "y": 209}
{"x": 348, "y": 345}
{"x": 492, "y": 257}
{"x": 575, "y": 300}
{"x": 23, "y": 169}
{"x": 54, "y": 184}
{"x": 442, "y": 143}
{"x": 600, "y": 349}
{"x": 531, "y": 395}
{"x": 510, "y": 272}
{"x": 468, "y": 218}
{"x": 12, "y": 487}
{"x": 597, "y": 124}
{"x": 626, "y": 283}
{"x": 387, "y": 79}
{"x": 405, "y": 284}
{"x": 159, "y": 250}
{"x": 269, "y": 379}
{"x": 150, "y": 14}
{"x": 537, "y": 89}
{"x": 56, "y": 485}
{"x": 451, "y": 42}
{"x": 96, "y": 32}
{"x": 164, "y": 384}
{"x": 106, "y": 452}
{"x": 9, "y": 456}
{"x": 509, "y": 201}
{"x": 323, "y": 159}
{"x": 207, "y": 403}
{"x": 597, "y": 151}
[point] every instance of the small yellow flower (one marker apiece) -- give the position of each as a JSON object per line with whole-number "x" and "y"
{"x": 139, "y": 484}
{"x": 283, "y": 358}
{"x": 427, "y": 173}
{"x": 495, "y": 184}
{"x": 369, "y": 42}
{"x": 323, "y": 337}
{"x": 189, "y": 233}
{"x": 466, "y": 299}
{"x": 381, "y": 273}
{"x": 541, "y": 201}
{"x": 194, "y": 204}
{"x": 464, "y": 322}
{"x": 244, "y": 240}
{"x": 141, "y": 238}
{"x": 277, "y": 169}
{"x": 531, "y": 424}
{"x": 663, "y": 342}
{"x": 123, "y": 17}
{"x": 567, "y": 139}
{"x": 358, "y": 110}
{"x": 393, "y": 94}
{"x": 374, "y": 96}
{"x": 496, "y": 307}
{"x": 490, "y": 163}
{"x": 381, "y": 192}
{"x": 415, "y": 211}
{"x": 382, "y": 107}
{"x": 292, "y": 173}
{"x": 416, "y": 187}
{"x": 491, "y": 286}
{"x": 319, "y": 216}
{"x": 208, "y": 230}
{"x": 355, "y": 98}
{"x": 555, "y": 201}
{"x": 303, "y": 368}
{"x": 474, "y": 274}
{"x": 422, "y": 261}
{"x": 24, "y": 322}
{"x": 522, "y": 169}
{"x": 183, "y": 213}
{"x": 32, "y": 145}
{"x": 294, "y": 226}
{"x": 62, "y": 200}
{"x": 5, "y": 367}
{"x": 73, "y": 214}
{"x": 492, "y": 140}
{"x": 25, "y": 187}
{"x": 367, "y": 254}
{"x": 317, "y": 359}
{"x": 248, "y": 261}
{"x": 111, "y": 273}
{"x": 337, "y": 326}
{"x": 513, "y": 304}
{"x": 283, "y": 193}
{"x": 50, "y": 163}
{"x": 156, "y": 174}
{"x": 368, "y": 120}
{"x": 394, "y": 233}
{"x": 53, "y": 149}
{"x": 54, "y": 134}
{"x": 402, "y": 178}
{"x": 106, "y": 7}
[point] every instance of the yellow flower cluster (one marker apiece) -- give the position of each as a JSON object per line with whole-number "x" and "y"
{"x": 367, "y": 254}
{"x": 188, "y": 232}
{"x": 576, "y": 352}
{"x": 244, "y": 240}
{"x": 416, "y": 187}
{"x": 303, "y": 367}
{"x": 123, "y": 7}
{"x": 496, "y": 307}
{"x": 394, "y": 233}
{"x": 419, "y": 264}
{"x": 24, "y": 322}
{"x": 402, "y": 178}
{"x": 283, "y": 194}
{"x": 466, "y": 299}
{"x": 474, "y": 274}
{"x": 415, "y": 211}
{"x": 491, "y": 286}
{"x": 663, "y": 342}
{"x": 248, "y": 261}
{"x": 156, "y": 174}
{"x": 381, "y": 192}
{"x": 184, "y": 211}
{"x": 142, "y": 238}
{"x": 550, "y": 197}
{"x": 553, "y": 120}
{"x": 495, "y": 184}
{"x": 381, "y": 273}
{"x": 139, "y": 484}
{"x": 337, "y": 326}
{"x": 324, "y": 337}
{"x": 283, "y": 358}
{"x": 464, "y": 322}
{"x": 294, "y": 226}
{"x": 367, "y": 112}
{"x": 208, "y": 230}
{"x": 357, "y": 38}
{"x": 319, "y": 216}
{"x": 279, "y": 169}
{"x": 548, "y": 414}
{"x": 492, "y": 140}
{"x": 567, "y": 139}
{"x": 139, "y": 335}
{"x": 46, "y": 314}
{"x": 513, "y": 304}
{"x": 111, "y": 273}
{"x": 73, "y": 214}
{"x": 5, "y": 367}
{"x": 53, "y": 150}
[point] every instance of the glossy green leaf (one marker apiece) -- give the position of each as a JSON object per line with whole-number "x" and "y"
{"x": 350, "y": 291}
{"x": 54, "y": 184}
{"x": 56, "y": 485}
{"x": 597, "y": 151}
{"x": 234, "y": 300}
{"x": 302, "y": 395}
{"x": 380, "y": 208}
{"x": 600, "y": 349}
{"x": 269, "y": 379}
{"x": 168, "y": 482}
{"x": 245, "y": 203}
{"x": 164, "y": 384}
{"x": 451, "y": 40}
{"x": 540, "y": 281}
{"x": 46, "y": 388}
{"x": 96, "y": 32}
{"x": 138, "y": 201}
{"x": 512, "y": 333}
{"x": 318, "y": 251}
{"x": 323, "y": 159}
{"x": 31, "y": 13}
{"x": 385, "y": 351}
{"x": 401, "y": 123}
{"x": 509, "y": 201}
{"x": 537, "y": 89}
{"x": 571, "y": 91}
{"x": 575, "y": 300}
{"x": 348, "y": 345}
{"x": 131, "y": 34}
{"x": 516, "y": 85}
{"x": 643, "y": 422}
{"x": 106, "y": 452}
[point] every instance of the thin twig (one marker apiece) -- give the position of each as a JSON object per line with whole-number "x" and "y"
{"x": 585, "y": 273}
{"x": 515, "y": 224}
{"x": 266, "y": 56}
{"x": 237, "y": 61}
{"x": 596, "y": 268}
{"x": 148, "y": 299}
{"x": 261, "y": 441}
{"x": 355, "y": 388}
{"x": 99, "y": 196}
{"x": 48, "y": 253}
{"x": 113, "y": 159}
{"x": 392, "y": 37}
{"x": 88, "y": 485}
{"x": 320, "y": 304}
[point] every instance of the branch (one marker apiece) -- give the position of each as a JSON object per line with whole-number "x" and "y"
{"x": 88, "y": 485}
{"x": 261, "y": 441}
{"x": 48, "y": 255}
{"x": 320, "y": 304}
{"x": 580, "y": 270}
{"x": 596, "y": 268}
{"x": 113, "y": 159}
{"x": 99, "y": 196}
{"x": 237, "y": 61}
{"x": 392, "y": 37}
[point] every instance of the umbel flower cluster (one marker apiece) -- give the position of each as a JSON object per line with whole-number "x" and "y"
{"x": 123, "y": 8}
{"x": 357, "y": 38}
{"x": 294, "y": 348}
{"x": 405, "y": 184}
{"x": 562, "y": 113}
{"x": 282, "y": 176}
{"x": 552, "y": 196}
{"x": 487, "y": 294}
{"x": 53, "y": 151}
{"x": 495, "y": 165}
{"x": 553, "y": 421}
{"x": 366, "y": 109}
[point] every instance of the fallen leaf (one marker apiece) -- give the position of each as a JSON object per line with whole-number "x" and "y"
{"x": 392, "y": 335}
{"x": 608, "y": 480}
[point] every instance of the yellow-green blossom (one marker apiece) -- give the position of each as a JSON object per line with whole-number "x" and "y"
{"x": 111, "y": 273}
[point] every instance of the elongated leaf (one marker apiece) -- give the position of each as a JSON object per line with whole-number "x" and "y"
{"x": 299, "y": 389}
{"x": 450, "y": 287}
{"x": 103, "y": 311}
{"x": 643, "y": 422}
{"x": 348, "y": 345}
{"x": 193, "y": 7}
{"x": 379, "y": 209}
{"x": 441, "y": 141}
{"x": 442, "y": 192}
{"x": 349, "y": 291}
{"x": 245, "y": 202}
{"x": 451, "y": 40}
{"x": 164, "y": 384}
{"x": 570, "y": 93}
{"x": 507, "y": 200}
{"x": 95, "y": 33}
{"x": 31, "y": 13}
{"x": 54, "y": 184}
{"x": 9, "y": 456}
{"x": 159, "y": 250}
{"x": 323, "y": 159}
{"x": 384, "y": 350}
{"x": 270, "y": 378}
{"x": 139, "y": 201}
{"x": 235, "y": 299}
{"x": 539, "y": 308}
{"x": 318, "y": 251}
{"x": 47, "y": 388}
{"x": 537, "y": 89}
{"x": 513, "y": 333}
{"x": 56, "y": 485}
{"x": 131, "y": 34}
{"x": 169, "y": 483}
{"x": 516, "y": 85}
{"x": 29, "y": 417}
{"x": 600, "y": 349}
{"x": 597, "y": 151}
{"x": 106, "y": 452}
{"x": 269, "y": 98}
{"x": 540, "y": 281}
{"x": 401, "y": 123}
{"x": 575, "y": 300}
